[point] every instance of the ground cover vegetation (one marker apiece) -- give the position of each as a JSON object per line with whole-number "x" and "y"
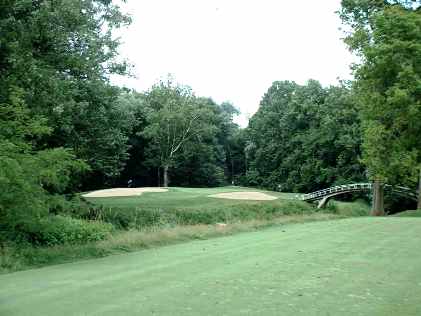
{"x": 113, "y": 225}
{"x": 357, "y": 266}
{"x": 64, "y": 128}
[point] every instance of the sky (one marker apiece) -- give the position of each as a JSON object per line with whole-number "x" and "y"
{"x": 232, "y": 50}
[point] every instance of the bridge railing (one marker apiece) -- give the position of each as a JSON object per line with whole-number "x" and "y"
{"x": 318, "y": 195}
{"x": 336, "y": 189}
{"x": 403, "y": 190}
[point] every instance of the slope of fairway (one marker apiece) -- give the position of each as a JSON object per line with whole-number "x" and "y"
{"x": 362, "y": 266}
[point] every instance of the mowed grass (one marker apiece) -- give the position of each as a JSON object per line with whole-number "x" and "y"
{"x": 186, "y": 198}
{"x": 359, "y": 266}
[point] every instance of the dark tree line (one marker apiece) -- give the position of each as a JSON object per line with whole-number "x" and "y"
{"x": 304, "y": 138}
{"x": 180, "y": 139}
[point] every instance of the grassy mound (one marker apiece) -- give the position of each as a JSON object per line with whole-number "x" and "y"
{"x": 410, "y": 213}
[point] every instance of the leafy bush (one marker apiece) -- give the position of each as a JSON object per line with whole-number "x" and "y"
{"x": 56, "y": 230}
{"x": 356, "y": 208}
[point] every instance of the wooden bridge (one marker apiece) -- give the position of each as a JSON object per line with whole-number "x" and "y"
{"x": 324, "y": 195}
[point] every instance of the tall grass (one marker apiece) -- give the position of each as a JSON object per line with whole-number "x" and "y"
{"x": 144, "y": 218}
{"x": 128, "y": 227}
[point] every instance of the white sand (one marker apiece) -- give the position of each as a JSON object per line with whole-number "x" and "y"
{"x": 123, "y": 192}
{"x": 255, "y": 196}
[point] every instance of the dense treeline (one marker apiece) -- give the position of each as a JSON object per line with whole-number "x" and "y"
{"x": 64, "y": 128}
{"x": 304, "y": 138}
{"x": 386, "y": 35}
{"x": 180, "y": 139}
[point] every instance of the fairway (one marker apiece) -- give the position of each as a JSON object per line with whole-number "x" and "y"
{"x": 361, "y": 266}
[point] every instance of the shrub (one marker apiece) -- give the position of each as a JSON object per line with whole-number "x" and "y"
{"x": 56, "y": 230}
{"x": 356, "y": 208}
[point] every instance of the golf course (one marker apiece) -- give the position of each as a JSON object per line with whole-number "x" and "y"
{"x": 359, "y": 266}
{"x": 210, "y": 158}
{"x": 190, "y": 198}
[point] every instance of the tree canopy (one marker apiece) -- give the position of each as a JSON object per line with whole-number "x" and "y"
{"x": 304, "y": 138}
{"x": 387, "y": 37}
{"x": 59, "y": 54}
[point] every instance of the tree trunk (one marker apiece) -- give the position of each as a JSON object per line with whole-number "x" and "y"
{"x": 419, "y": 192}
{"x": 166, "y": 180}
{"x": 159, "y": 176}
{"x": 378, "y": 199}
{"x": 2, "y": 253}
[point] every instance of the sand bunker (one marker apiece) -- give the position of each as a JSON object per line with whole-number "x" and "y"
{"x": 255, "y": 196}
{"x": 123, "y": 192}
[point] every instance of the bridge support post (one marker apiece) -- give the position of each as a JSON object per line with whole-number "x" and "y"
{"x": 378, "y": 199}
{"x": 419, "y": 192}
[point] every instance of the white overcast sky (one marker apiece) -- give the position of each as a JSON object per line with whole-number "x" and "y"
{"x": 233, "y": 49}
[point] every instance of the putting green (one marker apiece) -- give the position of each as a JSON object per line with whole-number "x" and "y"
{"x": 362, "y": 266}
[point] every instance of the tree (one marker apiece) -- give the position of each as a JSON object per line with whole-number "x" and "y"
{"x": 175, "y": 117}
{"x": 213, "y": 158}
{"x": 137, "y": 168}
{"x": 56, "y": 104}
{"x": 387, "y": 37}
{"x": 28, "y": 177}
{"x": 304, "y": 138}
{"x": 229, "y": 137}
{"x": 60, "y": 54}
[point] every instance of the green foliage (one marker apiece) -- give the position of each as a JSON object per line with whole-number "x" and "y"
{"x": 175, "y": 117}
{"x": 219, "y": 156}
{"x": 137, "y": 167}
{"x": 59, "y": 55}
{"x": 56, "y": 230}
{"x": 232, "y": 141}
{"x": 27, "y": 176}
{"x": 304, "y": 138}
{"x": 193, "y": 137}
{"x": 56, "y": 105}
{"x": 356, "y": 208}
{"x": 387, "y": 36}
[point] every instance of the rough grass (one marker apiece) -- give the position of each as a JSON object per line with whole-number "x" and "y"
{"x": 21, "y": 258}
{"x": 147, "y": 217}
{"x": 182, "y": 214}
{"x": 360, "y": 266}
